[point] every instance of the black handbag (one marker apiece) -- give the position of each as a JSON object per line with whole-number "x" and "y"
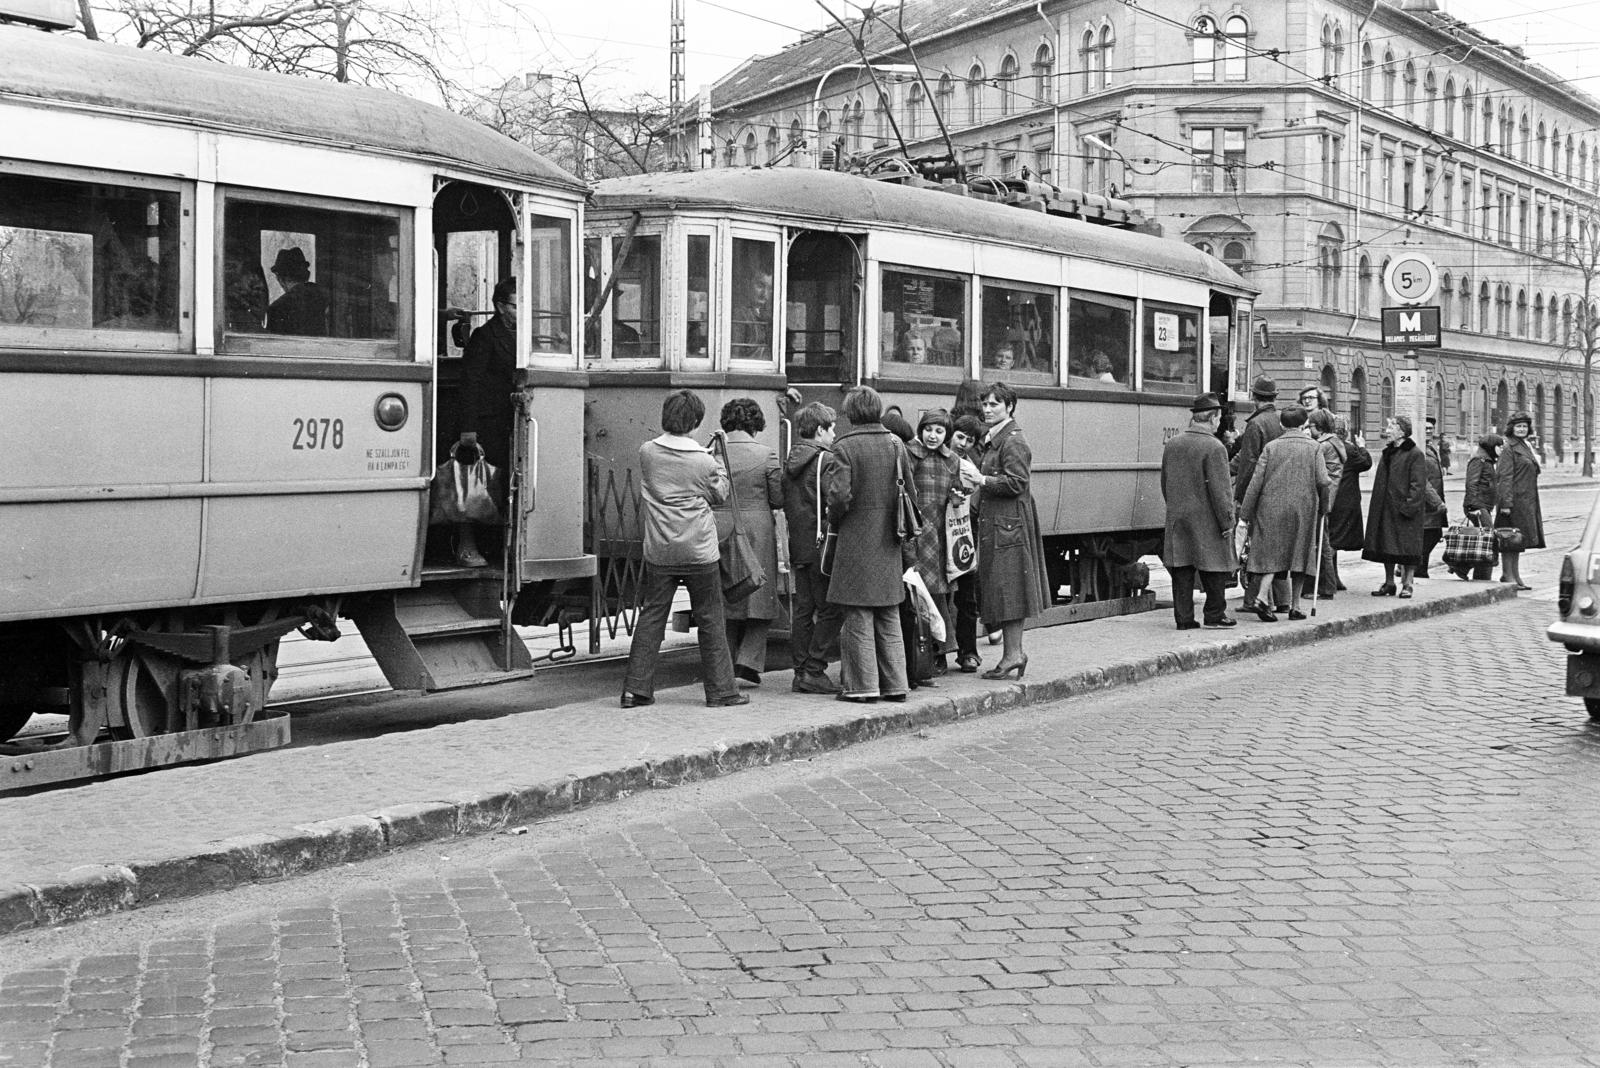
{"x": 742, "y": 571}
{"x": 907, "y": 516}
{"x": 1508, "y": 539}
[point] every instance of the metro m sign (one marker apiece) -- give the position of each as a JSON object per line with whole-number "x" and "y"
{"x": 1412, "y": 327}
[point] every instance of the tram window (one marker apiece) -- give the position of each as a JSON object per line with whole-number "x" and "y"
{"x": 752, "y": 299}
{"x": 87, "y": 256}
{"x": 636, "y": 301}
{"x": 546, "y": 297}
{"x": 1171, "y": 348}
{"x": 819, "y": 314}
{"x": 591, "y": 290}
{"x": 697, "y": 326}
{"x": 299, "y": 271}
{"x": 1019, "y": 330}
{"x": 1099, "y": 341}
{"x": 923, "y": 320}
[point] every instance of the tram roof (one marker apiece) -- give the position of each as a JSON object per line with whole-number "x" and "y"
{"x": 42, "y": 67}
{"x": 851, "y": 200}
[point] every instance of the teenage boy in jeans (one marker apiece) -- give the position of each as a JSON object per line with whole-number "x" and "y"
{"x": 814, "y": 623}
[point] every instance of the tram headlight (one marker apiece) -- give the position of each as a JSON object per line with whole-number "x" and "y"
{"x": 391, "y": 411}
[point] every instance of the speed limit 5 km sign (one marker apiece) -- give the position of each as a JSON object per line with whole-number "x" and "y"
{"x": 1411, "y": 278}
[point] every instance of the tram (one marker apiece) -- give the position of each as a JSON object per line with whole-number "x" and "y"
{"x": 190, "y": 472}
{"x": 759, "y": 282}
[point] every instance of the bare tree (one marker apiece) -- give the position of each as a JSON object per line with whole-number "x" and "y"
{"x": 392, "y": 45}
{"x": 1583, "y": 252}
{"x": 579, "y": 124}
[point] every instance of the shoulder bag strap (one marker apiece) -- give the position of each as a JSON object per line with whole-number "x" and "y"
{"x": 719, "y": 444}
{"x": 818, "y": 462}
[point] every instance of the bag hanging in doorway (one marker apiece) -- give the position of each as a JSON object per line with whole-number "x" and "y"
{"x": 464, "y": 493}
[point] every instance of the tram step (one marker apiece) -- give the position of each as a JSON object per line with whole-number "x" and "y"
{"x": 439, "y": 637}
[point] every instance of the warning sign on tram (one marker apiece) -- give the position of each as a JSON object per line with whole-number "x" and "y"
{"x": 1411, "y": 327}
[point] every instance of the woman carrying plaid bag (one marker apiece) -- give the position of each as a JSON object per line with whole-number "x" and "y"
{"x": 1478, "y": 501}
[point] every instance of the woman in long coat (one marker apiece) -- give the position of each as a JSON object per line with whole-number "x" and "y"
{"x": 757, "y": 489}
{"x": 936, "y": 472}
{"x": 1477, "y": 501}
{"x": 1516, "y": 490}
{"x": 1345, "y": 529}
{"x": 868, "y": 571}
{"x": 1398, "y": 508}
{"x": 1284, "y": 505}
{"x": 1012, "y": 585}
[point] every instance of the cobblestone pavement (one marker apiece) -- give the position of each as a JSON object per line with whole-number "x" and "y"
{"x": 1380, "y": 850}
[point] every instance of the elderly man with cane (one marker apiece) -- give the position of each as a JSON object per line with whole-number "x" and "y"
{"x": 1200, "y": 516}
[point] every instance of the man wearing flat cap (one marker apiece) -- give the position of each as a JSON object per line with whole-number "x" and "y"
{"x": 1262, "y": 426}
{"x": 303, "y": 307}
{"x": 1200, "y": 516}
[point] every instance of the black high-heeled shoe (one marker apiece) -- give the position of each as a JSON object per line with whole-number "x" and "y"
{"x": 1386, "y": 590}
{"x": 1001, "y": 672}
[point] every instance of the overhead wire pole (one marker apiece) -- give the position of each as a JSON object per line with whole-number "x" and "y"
{"x": 922, "y": 79}
{"x": 680, "y": 154}
{"x": 858, "y": 41}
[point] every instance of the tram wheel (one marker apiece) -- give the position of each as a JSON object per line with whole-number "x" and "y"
{"x": 142, "y": 695}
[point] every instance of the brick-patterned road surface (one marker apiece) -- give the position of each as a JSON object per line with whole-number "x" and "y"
{"x": 1380, "y": 850}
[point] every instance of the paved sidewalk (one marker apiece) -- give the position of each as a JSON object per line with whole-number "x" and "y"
{"x": 135, "y": 840}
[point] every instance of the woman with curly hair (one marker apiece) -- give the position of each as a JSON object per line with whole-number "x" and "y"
{"x": 1516, "y": 492}
{"x": 757, "y": 479}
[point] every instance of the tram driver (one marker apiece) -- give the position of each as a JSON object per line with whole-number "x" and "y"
{"x": 752, "y": 320}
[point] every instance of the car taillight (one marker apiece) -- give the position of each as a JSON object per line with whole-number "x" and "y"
{"x": 1564, "y": 587}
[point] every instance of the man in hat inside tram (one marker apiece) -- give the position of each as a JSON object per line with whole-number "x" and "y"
{"x": 1200, "y": 516}
{"x": 1262, "y": 426}
{"x": 303, "y": 307}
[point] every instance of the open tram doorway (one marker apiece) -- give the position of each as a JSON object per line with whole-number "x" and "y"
{"x": 822, "y": 313}
{"x": 474, "y": 243}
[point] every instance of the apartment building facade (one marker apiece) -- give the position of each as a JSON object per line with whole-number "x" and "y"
{"x": 1304, "y": 142}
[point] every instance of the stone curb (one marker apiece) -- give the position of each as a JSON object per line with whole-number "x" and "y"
{"x": 101, "y": 889}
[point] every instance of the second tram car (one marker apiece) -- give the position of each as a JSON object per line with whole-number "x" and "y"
{"x": 752, "y": 282}
{"x": 226, "y": 369}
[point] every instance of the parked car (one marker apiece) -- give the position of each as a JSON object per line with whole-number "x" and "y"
{"x": 1577, "y": 627}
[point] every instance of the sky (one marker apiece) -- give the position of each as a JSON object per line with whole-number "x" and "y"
{"x": 630, "y": 39}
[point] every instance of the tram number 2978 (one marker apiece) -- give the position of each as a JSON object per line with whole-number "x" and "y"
{"x": 319, "y": 434}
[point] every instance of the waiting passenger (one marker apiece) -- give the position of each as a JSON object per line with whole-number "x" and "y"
{"x": 916, "y": 349}
{"x": 752, "y": 321}
{"x": 488, "y": 379}
{"x": 1004, "y": 357}
{"x": 303, "y": 308}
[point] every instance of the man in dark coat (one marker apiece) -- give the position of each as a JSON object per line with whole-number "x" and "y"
{"x": 1200, "y": 516}
{"x": 303, "y": 307}
{"x": 1262, "y": 426}
{"x": 488, "y": 377}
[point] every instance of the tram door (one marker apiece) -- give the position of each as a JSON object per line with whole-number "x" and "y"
{"x": 823, "y": 309}
{"x": 473, "y": 231}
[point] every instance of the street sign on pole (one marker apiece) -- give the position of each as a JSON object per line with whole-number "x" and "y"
{"x": 1411, "y": 278}
{"x": 1411, "y": 399}
{"x": 1411, "y": 328}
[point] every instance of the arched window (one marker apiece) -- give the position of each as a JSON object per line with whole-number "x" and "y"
{"x": 1522, "y": 398}
{"x": 1446, "y": 292}
{"x": 1555, "y": 149}
{"x": 1364, "y": 286}
{"x": 1366, "y": 71}
{"x": 1485, "y": 412}
{"x": 1553, "y": 330}
{"x": 1330, "y": 262}
{"x": 1502, "y": 309}
{"x": 1461, "y": 410}
{"x": 1386, "y": 400}
{"x": 1450, "y": 107}
{"x": 1560, "y": 437}
{"x": 1538, "y": 409}
{"x": 1207, "y": 48}
{"x": 1464, "y": 294}
{"x": 1566, "y": 322}
{"x": 1467, "y": 116}
{"x": 1338, "y": 51}
{"x": 858, "y": 122}
{"x": 1525, "y": 140}
{"x": 1044, "y": 75}
{"x": 1358, "y": 402}
{"x": 1089, "y": 43}
{"x": 1234, "y": 68}
{"x": 1236, "y": 254}
{"x": 1430, "y": 100}
{"x": 1411, "y": 89}
{"x": 1522, "y": 313}
{"x": 750, "y": 156}
{"x": 1484, "y": 319}
{"x": 975, "y": 94}
{"x": 945, "y": 96}
{"x": 1390, "y": 74}
{"x": 1488, "y": 123}
{"x": 1436, "y": 409}
{"x": 914, "y": 101}
{"x": 1328, "y": 71}
{"x": 880, "y": 116}
{"x": 1538, "y": 148}
{"x": 772, "y": 143}
{"x": 1008, "y": 85}
{"x": 824, "y": 129}
{"x": 1108, "y": 53}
